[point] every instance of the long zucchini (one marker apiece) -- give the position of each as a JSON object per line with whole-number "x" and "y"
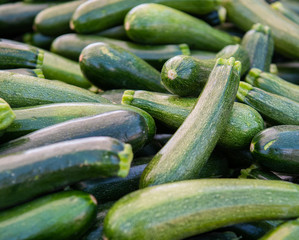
{"x": 178, "y": 210}
{"x": 189, "y": 148}
{"x": 28, "y": 174}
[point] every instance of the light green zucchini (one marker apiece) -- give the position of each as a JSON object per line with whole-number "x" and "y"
{"x": 285, "y": 11}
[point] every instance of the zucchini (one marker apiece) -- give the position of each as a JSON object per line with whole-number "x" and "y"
{"x": 245, "y": 13}
{"x": 108, "y": 67}
{"x": 178, "y": 210}
{"x": 256, "y": 172}
{"x": 27, "y": 71}
{"x": 38, "y": 40}
{"x": 285, "y": 11}
{"x": 127, "y": 126}
{"x": 7, "y": 116}
{"x": 71, "y": 46}
{"x": 186, "y": 76}
{"x": 274, "y": 107}
{"x": 50, "y": 217}
{"x": 203, "y": 55}
{"x": 273, "y": 84}
{"x": 151, "y": 23}
{"x": 216, "y": 236}
{"x": 94, "y": 16}
{"x": 22, "y": 91}
{"x": 277, "y": 148}
{"x": 117, "y": 32}
{"x": 291, "y": 4}
{"x": 289, "y": 71}
{"x": 28, "y": 174}
{"x": 187, "y": 151}
{"x": 260, "y": 46}
{"x": 243, "y": 124}
{"x": 55, "y": 20}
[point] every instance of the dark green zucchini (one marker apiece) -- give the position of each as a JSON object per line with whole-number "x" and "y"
{"x": 7, "y": 116}
{"x": 256, "y": 172}
{"x": 108, "y": 67}
{"x": 260, "y": 46}
{"x": 277, "y": 148}
{"x": 186, "y": 76}
{"x": 22, "y": 91}
{"x": 178, "y": 210}
{"x": 245, "y": 13}
{"x": 190, "y": 147}
{"x": 50, "y": 217}
{"x": 27, "y": 174}
{"x": 117, "y": 32}
{"x": 94, "y": 16}
{"x": 275, "y": 108}
{"x": 38, "y": 40}
{"x": 285, "y": 11}
{"x": 171, "y": 110}
{"x": 273, "y": 84}
{"x": 27, "y": 71}
{"x": 55, "y": 20}
{"x": 158, "y": 24}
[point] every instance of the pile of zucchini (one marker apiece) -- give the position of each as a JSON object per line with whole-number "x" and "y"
{"x": 149, "y": 120}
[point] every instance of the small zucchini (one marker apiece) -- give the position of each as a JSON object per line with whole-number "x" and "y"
{"x": 182, "y": 209}
{"x": 27, "y": 71}
{"x": 27, "y": 174}
{"x": 50, "y": 217}
{"x": 108, "y": 67}
{"x": 38, "y": 40}
{"x": 152, "y": 23}
{"x": 187, "y": 151}
{"x": 259, "y": 44}
{"x": 277, "y": 148}
{"x": 274, "y": 107}
{"x": 273, "y": 84}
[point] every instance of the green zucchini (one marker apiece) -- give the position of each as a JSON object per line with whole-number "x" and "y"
{"x": 178, "y": 210}
{"x": 289, "y": 71}
{"x": 187, "y": 151}
{"x": 127, "y": 126}
{"x": 94, "y": 16}
{"x": 186, "y": 76}
{"x": 216, "y": 236}
{"x": 108, "y": 67}
{"x": 27, "y": 174}
{"x": 27, "y": 71}
{"x": 260, "y": 46}
{"x": 291, "y": 4}
{"x": 285, "y": 11}
{"x": 245, "y": 13}
{"x": 273, "y": 84}
{"x": 22, "y": 91}
{"x": 274, "y": 107}
{"x": 256, "y": 172}
{"x": 203, "y": 55}
{"x": 117, "y": 32}
{"x": 7, "y": 116}
{"x": 171, "y": 110}
{"x": 55, "y": 20}
{"x": 38, "y": 40}
{"x": 158, "y": 24}
{"x": 277, "y": 148}
{"x": 71, "y": 46}
{"x": 50, "y": 217}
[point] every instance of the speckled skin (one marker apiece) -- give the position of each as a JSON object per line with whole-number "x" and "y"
{"x": 177, "y": 210}
{"x": 60, "y": 216}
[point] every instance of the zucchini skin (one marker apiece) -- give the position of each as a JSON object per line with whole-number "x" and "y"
{"x": 245, "y": 13}
{"x": 171, "y": 110}
{"x": 27, "y": 71}
{"x": 189, "y": 148}
{"x": 38, "y": 40}
{"x": 28, "y": 174}
{"x": 182, "y": 209}
{"x": 65, "y": 209}
{"x": 22, "y": 91}
{"x": 106, "y": 66}
{"x": 277, "y": 148}
{"x": 94, "y": 16}
{"x": 158, "y": 24}
{"x": 117, "y": 32}
{"x": 273, "y": 84}
{"x": 274, "y": 107}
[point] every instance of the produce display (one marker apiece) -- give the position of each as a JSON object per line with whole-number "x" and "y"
{"x": 149, "y": 119}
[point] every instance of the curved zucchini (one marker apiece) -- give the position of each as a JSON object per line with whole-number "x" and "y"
{"x": 273, "y": 84}
{"x": 171, "y": 110}
{"x": 38, "y": 40}
{"x": 7, "y": 116}
{"x": 276, "y": 108}
{"x": 189, "y": 148}
{"x": 277, "y": 148}
{"x": 260, "y": 46}
{"x": 178, "y": 210}
{"x": 27, "y": 174}
{"x": 186, "y": 76}
{"x": 21, "y": 91}
{"x": 50, "y": 217}
{"x": 109, "y": 66}
{"x": 245, "y": 13}
{"x": 152, "y": 23}
{"x": 285, "y": 11}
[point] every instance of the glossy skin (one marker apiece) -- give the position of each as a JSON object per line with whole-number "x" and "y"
{"x": 28, "y": 174}
{"x": 178, "y": 210}
{"x": 277, "y": 148}
{"x": 50, "y": 217}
